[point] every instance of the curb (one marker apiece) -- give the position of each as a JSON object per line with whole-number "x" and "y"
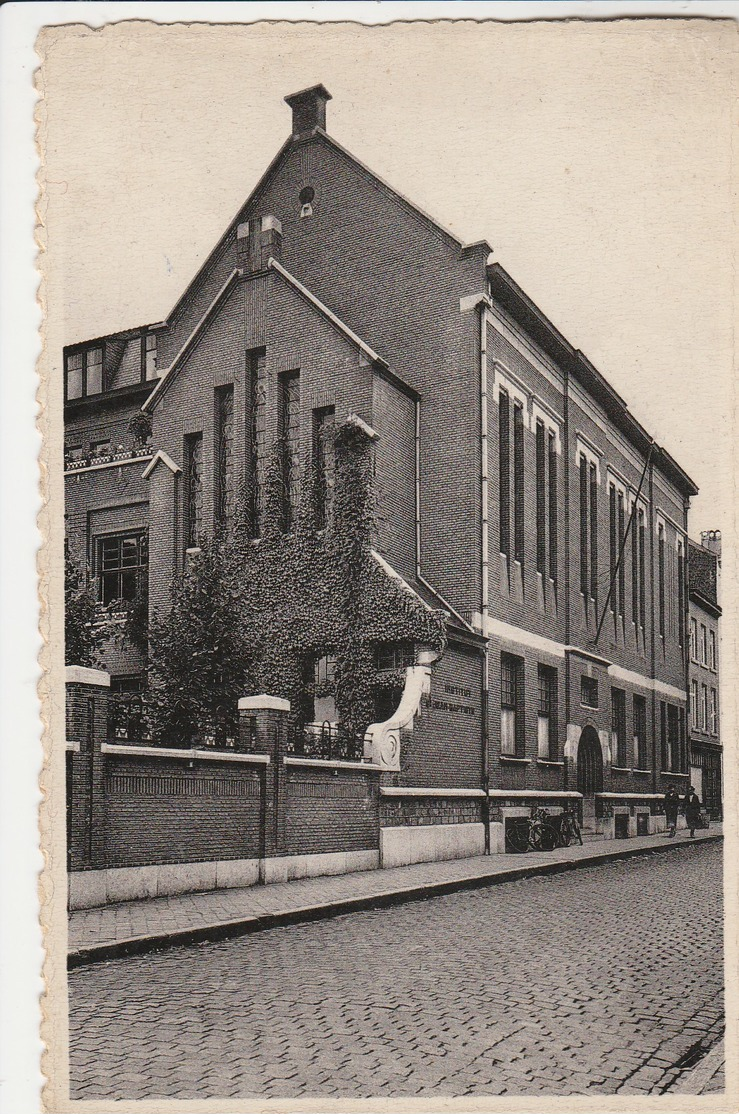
{"x": 694, "y": 1082}
{"x": 244, "y": 926}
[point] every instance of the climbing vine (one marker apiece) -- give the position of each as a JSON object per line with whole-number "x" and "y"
{"x": 252, "y": 615}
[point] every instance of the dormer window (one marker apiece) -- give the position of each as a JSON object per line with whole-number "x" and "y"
{"x": 83, "y": 373}
{"x": 149, "y": 356}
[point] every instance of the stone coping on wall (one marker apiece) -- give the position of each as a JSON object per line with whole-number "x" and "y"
{"x": 83, "y": 675}
{"x": 399, "y": 791}
{"x": 332, "y": 763}
{"x": 631, "y": 796}
{"x": 550, "y": 793}
{"x": 263, "y": 703}
{"x": 173, "y": 752}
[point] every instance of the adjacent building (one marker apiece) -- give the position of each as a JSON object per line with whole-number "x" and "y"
{"x": 705, "y": 613}
{"x": 516, "y": 494}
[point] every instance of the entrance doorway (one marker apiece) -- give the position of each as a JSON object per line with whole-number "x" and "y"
{"x": 589, "y": 773}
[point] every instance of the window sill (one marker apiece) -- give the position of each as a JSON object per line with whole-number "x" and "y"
{"x": 549, "y": 762}
{"x": 642, "y": 773}
{"x": 590, "y": 707}
{"x": 513, "y": 758}
{"x": 620, "y": 769}
{"x": 672, "y": 773}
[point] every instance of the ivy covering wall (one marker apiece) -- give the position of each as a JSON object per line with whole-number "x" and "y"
{"x": 251, "y": 616}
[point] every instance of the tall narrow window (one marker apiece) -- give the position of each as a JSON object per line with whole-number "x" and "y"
{"x": 661, "y": 577}
{"x": 704, "y": 645}
{"x": 149, "y": 356}
{"x": 324, "y": 432}
{"x": 518, "y": 482}
{"x": 635, "y": 571}
{"x": 642, "y": 573}
{"x": 547, "y": 716}
{"x": 504, "y": 471}
{"x": 704, "y": 708}
{"x": 673, "y": 738}
{"x": 256, "y": 432}
{"x": 511, "y": 709}
{"x": 683, "y": 743}
{"x": 693, "y": 639}
{"x": 712, "y": 660}
{"x": 641, "y": 756}
{"x": 193, "y": 489}
{"x": 290, "y": 446}
{"x": 613, "y": 549}
{"x": 552, "y": 507}
{"x": 541, "y": 499}
{"x": 694, "y": 710}
{"x": 680, "y": 594}
{"x": 714, "y": 713}
{"x": 664, "y": 755}
{"x": 74, "y": 373}
{"x": 584, "y": 583}
{"x": 225, "y": 485}
{"x": 94, "y": 384}
{"x": 618, "y": 725}
{"x": 619, "y": 555}
{"x": 593, "y": 532}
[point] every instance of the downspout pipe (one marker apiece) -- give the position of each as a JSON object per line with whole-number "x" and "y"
{"x": 485, "y": 563}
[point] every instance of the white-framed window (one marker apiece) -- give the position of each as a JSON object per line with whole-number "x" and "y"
{"x": 83, "y": 373}
{"x": 693, "y": 639}
{"x": 704, "y": 708}
{"x": 712, "y": 655}
{"x": 694, "y": 704}
{"x": 714, "y": 712}
{"x": 122, "y": 565}
{"x": 589, "y": 692}
{"x": 547, "y": 714}
{"x": 704, "y": 645}
{"x": 511, "y": 705}
{"x": 150, "y": 356}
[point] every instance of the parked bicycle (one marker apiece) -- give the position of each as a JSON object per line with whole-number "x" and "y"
{"x": 543, "y": 832}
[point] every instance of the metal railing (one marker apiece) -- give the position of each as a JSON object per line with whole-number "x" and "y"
{"x": 328, "y": 741}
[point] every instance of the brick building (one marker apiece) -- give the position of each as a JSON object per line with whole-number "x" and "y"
{"x": 705, "y": 613}
{"x": 515, "y": 492}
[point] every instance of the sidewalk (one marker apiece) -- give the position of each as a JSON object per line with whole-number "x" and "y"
{"x": 134, "y": 927}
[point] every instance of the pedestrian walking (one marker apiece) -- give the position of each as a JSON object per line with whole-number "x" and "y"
{"x": 672, "y": 804}
{"x": 692, "y": 809}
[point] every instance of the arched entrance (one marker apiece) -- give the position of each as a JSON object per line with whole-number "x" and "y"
{"x": 589, "y": 773}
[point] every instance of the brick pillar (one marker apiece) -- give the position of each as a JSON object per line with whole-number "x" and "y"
{"x": 263, "y": 730}
{"x": 87, "y": 693}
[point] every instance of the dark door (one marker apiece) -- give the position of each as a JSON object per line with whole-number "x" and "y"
{"x": 589, "y": 763}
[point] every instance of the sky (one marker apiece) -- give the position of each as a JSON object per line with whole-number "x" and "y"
{"x": 594, "y": 157}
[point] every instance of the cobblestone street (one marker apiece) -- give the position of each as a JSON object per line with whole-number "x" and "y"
{"x": 604, "y": 980}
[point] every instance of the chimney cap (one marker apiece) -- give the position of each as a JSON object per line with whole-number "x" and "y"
{"x": 309, "y": 109}
{"x": 310, "y": 93}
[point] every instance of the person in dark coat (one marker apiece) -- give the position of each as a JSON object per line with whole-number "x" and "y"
{"x": 692, "y": 808}
{"x": 672, "y": 804}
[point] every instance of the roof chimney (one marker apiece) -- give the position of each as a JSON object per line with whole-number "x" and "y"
{"x": 309, "y": 109}
{"x": 711, "y": 539}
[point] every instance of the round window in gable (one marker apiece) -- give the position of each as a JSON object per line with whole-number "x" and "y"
{"x": 306, "y": 197}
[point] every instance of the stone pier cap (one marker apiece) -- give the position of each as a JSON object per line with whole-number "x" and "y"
{"x": 263, "y": 703}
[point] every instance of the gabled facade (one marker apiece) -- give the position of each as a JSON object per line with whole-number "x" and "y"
{"x": 514, "y": 489}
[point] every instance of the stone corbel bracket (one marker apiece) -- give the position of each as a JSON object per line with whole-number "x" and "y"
{"x": 382, "y": 740}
